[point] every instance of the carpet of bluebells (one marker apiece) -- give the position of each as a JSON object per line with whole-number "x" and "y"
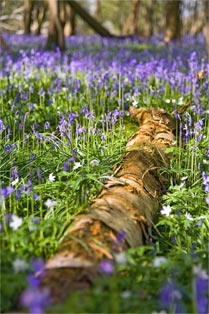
{"x": 64, "y": 124}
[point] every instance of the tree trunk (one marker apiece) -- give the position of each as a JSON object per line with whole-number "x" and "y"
{"x": 126, "y": 206}
{"x": 28, "y": 8}
{"x": 3, "y": 44}
{"x": 92, "y": 22}
{"x": 173, "y": 20}
{"x": 40, "y": 15}
{"x": 131, "y": 25}
{"x": 55, "y": 33}
{"x": 206, "y": 26}
{"x": 69, "y": 27}
{"x": 97, "y": 13}
{"x": 150, "y": 19}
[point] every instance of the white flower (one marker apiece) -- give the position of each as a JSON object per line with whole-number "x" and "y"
{"x": 166, "y": 210}
{"x": 94, "y": 162}
{"x": 50, "y": 203}
{"x": 167, "y": 101}
{"x": 19, "y": 265}
{"x": 180, "y": 101}
{"x": 184, "y": 178}
{"x": 159, "y": 260}
{"x": 181, "y": 185}
{"x": 125, "y": 294}
{"x": 51, "y": 177}
{"x": 15, "y": 181}
{"x": 135, "y": 103}
{"x": 121, "y": 258}
{"x": 188, "y": 216}
{"x": 197, "y": 270}
{"x": 77, "y": 165}
{"x": 15, "y": 222}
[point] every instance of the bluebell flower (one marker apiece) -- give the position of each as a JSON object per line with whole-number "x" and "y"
{"x": 201, "y": 289}
{"x": 35, "y": 300}
{"x": 170, "y": 298}
{"x": 205, "y": 181}
{"x": 46, "y": 125}
{"x": 7, "y": 191}
{"x": 107, "y": 266}
{"x": 2, "y": 126}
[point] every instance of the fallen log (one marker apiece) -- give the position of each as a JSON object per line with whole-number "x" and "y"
{"x": 126, "y": 204}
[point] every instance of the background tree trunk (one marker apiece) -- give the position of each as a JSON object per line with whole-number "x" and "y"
{"x": 69, "y": 27}
{"x": 131, "y": 25}
{"x": 126, "y": 205}
{"x": 3, "y": 44}
{"x": 97, "y": 12}
{"x": 173, "y": 20}
{"x": 206, "y": 25}
{"x": 40, "y": 15}
{"x": 55, "y": 32}
{"x": 150, "y": 14}
{"x": 28, "y": 8}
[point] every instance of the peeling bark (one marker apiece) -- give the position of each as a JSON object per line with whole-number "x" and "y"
{"x": 127, "y": 203}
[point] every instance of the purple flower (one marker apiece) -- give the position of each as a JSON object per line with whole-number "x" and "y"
{"x": 7, "y": 191}
{"x": 202, "y": 299}
{"x": 121, "y": 236}
{"x": 72, "y": 117}
{"x": 28, "y": 187}
{"x": 36, "y": 220}
{"x": 38, "y": 172}
{"x": 10, "y": 148}
{"x": 33, "y": 281}
{"x": 201, "y": 289}
{"x": 170, "y": 297}
{"x": 107, "y": 266}
{"x": 36, "y": 197}
{"x": 32, "y": 156}
{"x": 47, "y": 125}
{"x": 14, "y": 173}
{"x": 35, "y": 299}
{"x": 205, "y": 181}
{"x": 38, "y": 264}
{"x": 8, "y": 217}
{"x": 80, "y": 129}
{"x": 2, "y": 126}
{"x": 18, "y": 192}
{"x": 35, "y": 126}
{"x": 41, "y": 92}
{"x": 25, "y": 95}
{"x": 66, "y": 166}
